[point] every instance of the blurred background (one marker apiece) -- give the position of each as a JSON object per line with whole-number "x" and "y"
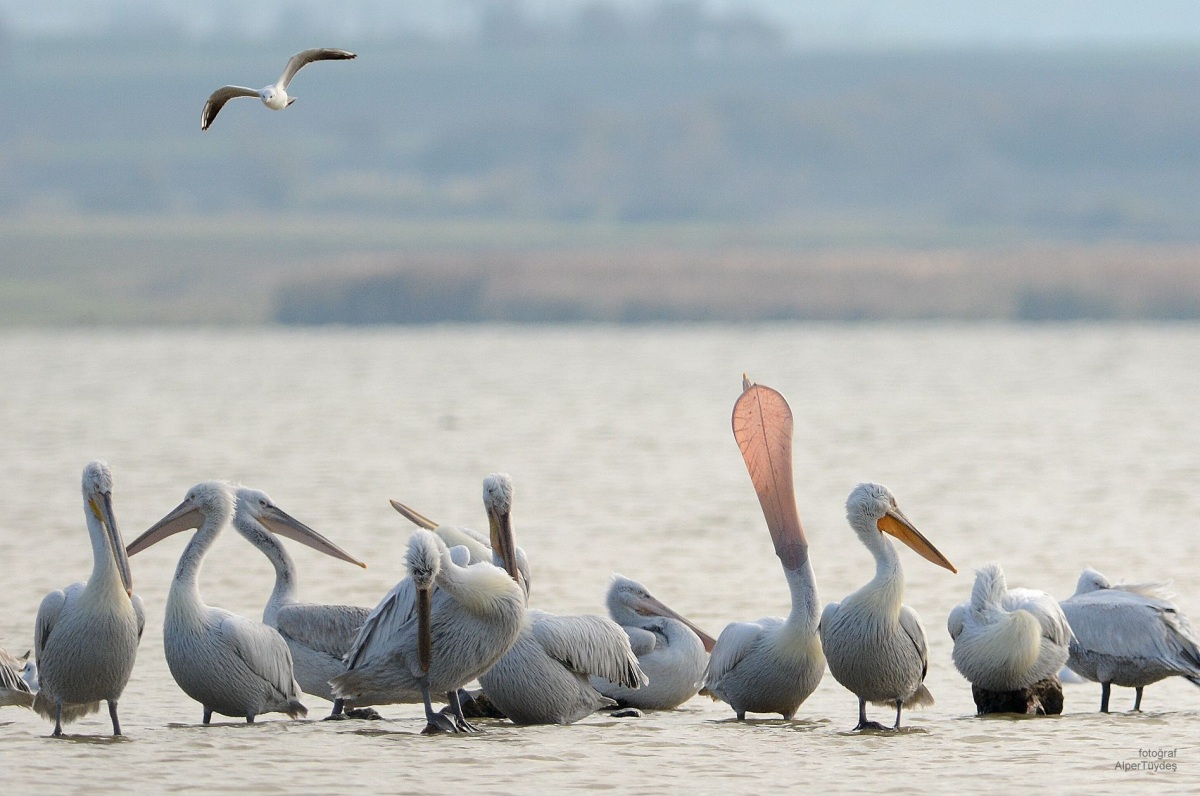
{"x": 600, "y": 160}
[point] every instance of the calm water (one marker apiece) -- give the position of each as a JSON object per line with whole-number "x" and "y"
{"x": 1045, "y": 448}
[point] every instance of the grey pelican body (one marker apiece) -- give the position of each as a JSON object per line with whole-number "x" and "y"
{"x": 874, "y": 643}
{"x": 473, "y": 615}
{"x": 1007, "y": 639}
{"x": 18, "y": 680}
{"x": 318, "y": 636}
{"x": 1129, "y": 635}
{"x": 229, "y": 664}
{"x": 773, "y": 664}
{"x": 86, "y": 635}
{"x": 671, "y": 651}
{"x": 274, "y": 96}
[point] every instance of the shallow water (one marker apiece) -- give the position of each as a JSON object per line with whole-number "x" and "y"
{"x": 1045, "y": 448}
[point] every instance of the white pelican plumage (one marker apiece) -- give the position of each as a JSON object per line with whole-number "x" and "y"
{"x": 274, "y": 96}
{"x": 437, "y": 629}
{"x": 874, "y": 643}
{"x": 229, "y": 664}
{"x": 544, "y": 677}
{"x": 772, "y": 665}
{"x": 18, "y": 680}
{"x": 671, "y": 651}
{"x": 1008, "y": 640}
{"x": 1129, "y": 635}
{"x": 318, "y": 636}
{"x": 86, "y": 635}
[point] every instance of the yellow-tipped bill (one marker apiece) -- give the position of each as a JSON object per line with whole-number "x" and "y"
{"x": 897, "y": 525}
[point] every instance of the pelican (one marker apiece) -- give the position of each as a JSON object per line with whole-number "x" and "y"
{"x": 86, "y": 635}
{"x": 1008, "y": 640}
{"x": 274, "y": 96}
{"x": 318, "y": 636}
{"x": 421, "y": 640}
{"x": 671, "y": 651}
{"x": 18, "y": 680}
{"x": 772, "y": 665}
{"x": 1129, "y": 635}
{"x": 544, "y": 678}
{"x": 229, "y": 664}
{"x": 874, "y": 643}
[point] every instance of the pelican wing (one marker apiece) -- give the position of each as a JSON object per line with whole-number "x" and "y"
{"x": 325, "y": 628}
{"x": 262, "y": 650}
{"x": 1045, "y": 609}
{"x": 217, "y": 100}
{"x": 589, "y": 645}
{"x": 641, "y": 641}
{"x": 910, "y": 623}
{"x": 1127, "y": 624}
{"x": 736, "y": 641}
{"x": 384, "y": 624}
{"x": 47, "y": 616}
{"x": 957, "y": 620}
{"x": 139, "y": 610}
{"x": 304, "y": 57}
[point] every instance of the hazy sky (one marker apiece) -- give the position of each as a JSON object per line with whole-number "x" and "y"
{"x": 838, "y": 22}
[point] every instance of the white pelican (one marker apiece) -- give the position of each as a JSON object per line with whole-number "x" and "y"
{"x": 1129, "y": 635}
{"x": 18, "y": 680}
{"x": 86, "y": 635}
{"x": 544, "y": 678}
{"x": 318, "y": 636}
{"x": 422, "y": 641}
{"x": 772, "y": 665}
{"x": 671, "y": 651}
{"x": 229, "y": 664}
{"x": 274, "y": 96}
{"x": 874, "y": 643}
{"x": 1008, "y": 640}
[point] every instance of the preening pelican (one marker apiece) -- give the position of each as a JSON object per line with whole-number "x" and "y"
{"x": 229, "y": 664}
{"x": 671, "y": 651}
{"x": 422, "y": 641}
{"x": 18, "y": 680}
{"x": 1008, "y": 640}
{"x": 86, "y": 635}
{"x": 1129, "y": 635}
{"x": 772, "y": 665}
{"x": 318, "y": 636}
{"x": 274, "y": 96}
{"x": 874, "y": 643}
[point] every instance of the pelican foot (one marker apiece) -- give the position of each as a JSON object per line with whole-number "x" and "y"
{"x": 872, "y": 725}
{"x": 439, "y": 723}
{"x": 336, "y": 717}
{"x": 627, "y": 713}
{"x": 365, "y": 714}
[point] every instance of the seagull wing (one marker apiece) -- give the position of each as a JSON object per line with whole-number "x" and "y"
{"x": 217, "y": 100}
{"x": 307, "y": 57}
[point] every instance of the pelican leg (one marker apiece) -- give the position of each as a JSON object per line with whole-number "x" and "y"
{"x": 249, "y": 718}
{"x": 57, "y": 720}
{"x": 1105, "y": 689}
{"x": 863, "y": 724}
{"x": 899, "y": 705}
{"x": 112, "y": 714}
{"x": 460, "y": 721}
{"x": 1137, "y": 700}
{"x": 434, "y": 722}
{"x": 207, "y": 714}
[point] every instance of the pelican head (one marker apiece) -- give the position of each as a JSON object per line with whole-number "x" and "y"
{"x": 204, "y": 500}
{"x": 97, "y": 499}
{"x": 497, "y": 501}
{"x": 872, "y": 508}
{"x": 1091, "y": 580}
{"x": 255, "y": 508}
{"x": 424, "y": 559}
{"x": 628, "y": 599}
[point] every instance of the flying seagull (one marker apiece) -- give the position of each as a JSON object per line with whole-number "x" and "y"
{"x": 274, "y": 96}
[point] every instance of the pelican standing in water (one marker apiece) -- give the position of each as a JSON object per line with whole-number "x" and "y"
{"x": 229, "y": 664}
{"x": 318, "y": 636}
{"x": 436, "y": 630}
{"x": 874, "y": 643}
{"x": 772, "y": 665}
{"x": 1129, "y": 635}
{"x": 18, "y": 680}
{"x": 1007, "y": 641}
{"x": 671, "y": 651}
{"x": 544, "y": 677}
{"x": 274, "y": 96}
{"x": 86, "y": 635}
